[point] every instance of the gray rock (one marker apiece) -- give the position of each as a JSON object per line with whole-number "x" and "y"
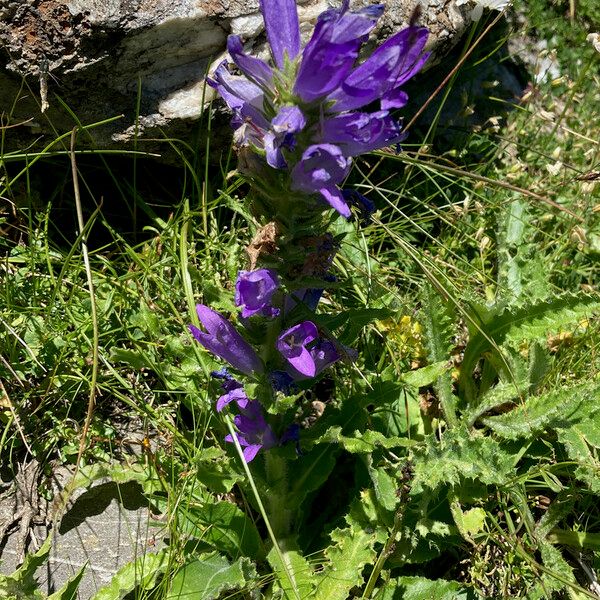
{"x": 105, "y": 527}
{"x": 93, "y": 56}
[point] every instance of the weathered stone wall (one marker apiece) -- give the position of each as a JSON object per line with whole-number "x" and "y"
{"x": 95, "y": 53}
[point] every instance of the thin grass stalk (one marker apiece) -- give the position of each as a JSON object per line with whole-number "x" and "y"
{"x": 94, "y": 315}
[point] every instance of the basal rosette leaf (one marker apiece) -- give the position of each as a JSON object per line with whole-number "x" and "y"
{"x": 351, "y": 550}
{"x": 420, "y": 588}
{"x": 208, "y": 576}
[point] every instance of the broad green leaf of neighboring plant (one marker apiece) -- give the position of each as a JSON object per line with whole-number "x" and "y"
{"x": 295, "y": 579}
{"x": 351, "y": 549}
{"x": 224, "y": 526}
{"x": 22, "y": 584}
{"x": 420, "y": 588}
{"x": 208, "y": 576}
{"x": 69, "y": 590}
{"x": 138, "y": 574}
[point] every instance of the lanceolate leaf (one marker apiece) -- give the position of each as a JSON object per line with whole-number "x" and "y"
{"x": 457, "y": 456}
{"x": 556, "y": 409}
{"x": 534, "y": 322}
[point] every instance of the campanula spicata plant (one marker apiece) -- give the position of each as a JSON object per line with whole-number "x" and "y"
{"x": 298, "y": 121}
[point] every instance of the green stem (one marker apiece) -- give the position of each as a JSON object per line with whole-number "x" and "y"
{"x": 273, "y": 531}
{"x": 279, "y": 516}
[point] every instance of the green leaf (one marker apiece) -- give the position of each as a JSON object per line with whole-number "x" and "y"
{"x": 420, "y": 588}
{"x": 224, "y": 526}
{"x": 440, "y": 330}
{"x": 468, "y": 522}
{"x": 69, "y": 590}
{"x": 362, "y": 443}
{"x": 384, "y": 484}
{"x": 426, "y": 375}
{"x": 136, "y": 359}
{"x": 459, "y": 455}
{"x": 295, "y": 576}
{"x": 22, "y": 583}
{"x": 141, "y": 573}
{"x": 208, "y": 576}
{"x": 512, "y": 327}
{"x": 556, "y": 409}
{"x": 581, "y": 442}
{"x": 351, "y": 550}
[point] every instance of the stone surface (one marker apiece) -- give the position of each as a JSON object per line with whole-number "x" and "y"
{"x": 97, "y": 54}
{"x": 105, "y": 527}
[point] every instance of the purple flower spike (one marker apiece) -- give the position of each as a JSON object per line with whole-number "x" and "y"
{"x": 254, "y": 68}
{"x": 320, "y": 169}
{"x": 243, "y": 97}
{"x": 254, "y": 290}
{"x": 283, "y": 28}
{"x": 357, "y": 132}
{"x": 254, "y": 433}
{"x": 237, "y": 394}
{"x": 324, "y": 354}
{"x": 391, "y": 65}
{"x": 333, "y": 49}
{"x": 288, "y": 121}
{"x": 222, "y": 339}
{"x": 292, "y": 345}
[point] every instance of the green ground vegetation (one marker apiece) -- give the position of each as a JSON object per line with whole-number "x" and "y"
{"x": 458, "y": 457}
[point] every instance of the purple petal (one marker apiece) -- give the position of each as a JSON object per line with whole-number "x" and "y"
{"x": 253, "y": 68}
{"x": 222, "y": 339}
{"x": 254, "y": 290}
{"x": 394, "y": 99}
{"x": 357, "y": 133}
{"x": 321, "y": 165}
{"x": 303, "y": 363}
{"x": 283, "y": 29}
{"x": 332, "y": 50}
{"x": 292, "y": 345}
{"x": 251, "y": 451}
{"x": 237, "y": 394}
{"x": 392, "y": 64}
{"x": 286, "y": 123}
{"x": 335, "y": 199}
{"x": 324, "y": 354}
{"x": 246, "y": 101}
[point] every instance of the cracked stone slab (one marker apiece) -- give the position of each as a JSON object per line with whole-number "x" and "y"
{"x": 105, "y": 527}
